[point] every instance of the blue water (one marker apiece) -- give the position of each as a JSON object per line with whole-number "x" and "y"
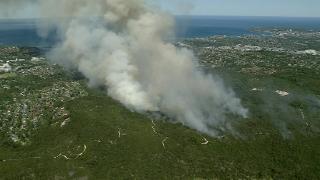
{"x": 203, "y": 26}
{"x": 24, "y": 32}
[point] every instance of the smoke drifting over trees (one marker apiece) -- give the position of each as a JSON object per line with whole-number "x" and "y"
{"x": 120, "y": 44}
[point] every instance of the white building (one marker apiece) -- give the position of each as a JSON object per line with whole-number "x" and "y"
{"x": 5, "y": 68}
{"x": 309, "y": 51}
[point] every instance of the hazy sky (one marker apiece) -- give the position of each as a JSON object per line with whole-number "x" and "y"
{"x": 300, "y": 8}
{"x": 296, "y": 8}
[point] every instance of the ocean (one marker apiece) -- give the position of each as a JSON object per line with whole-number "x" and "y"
{"x": 203, "y": 26}
{"x": 24, "y": 32}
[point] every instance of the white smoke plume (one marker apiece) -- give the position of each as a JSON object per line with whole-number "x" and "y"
{"x": 121, "y": 44}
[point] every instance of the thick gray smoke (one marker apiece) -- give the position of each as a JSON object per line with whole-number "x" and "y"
{"x": 124, "y": 49}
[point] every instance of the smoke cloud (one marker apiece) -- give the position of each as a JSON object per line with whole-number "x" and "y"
{"x": 121, "y": 44}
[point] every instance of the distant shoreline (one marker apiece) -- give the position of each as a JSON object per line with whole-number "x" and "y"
{"x": 23, "y": 32}
{"x": 209, "y": 16}
{"x": 253, "y": 17}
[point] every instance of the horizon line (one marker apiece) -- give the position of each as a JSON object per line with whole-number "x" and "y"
{"x": 194, "y": 15}
{"x": 262, "y": 16}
